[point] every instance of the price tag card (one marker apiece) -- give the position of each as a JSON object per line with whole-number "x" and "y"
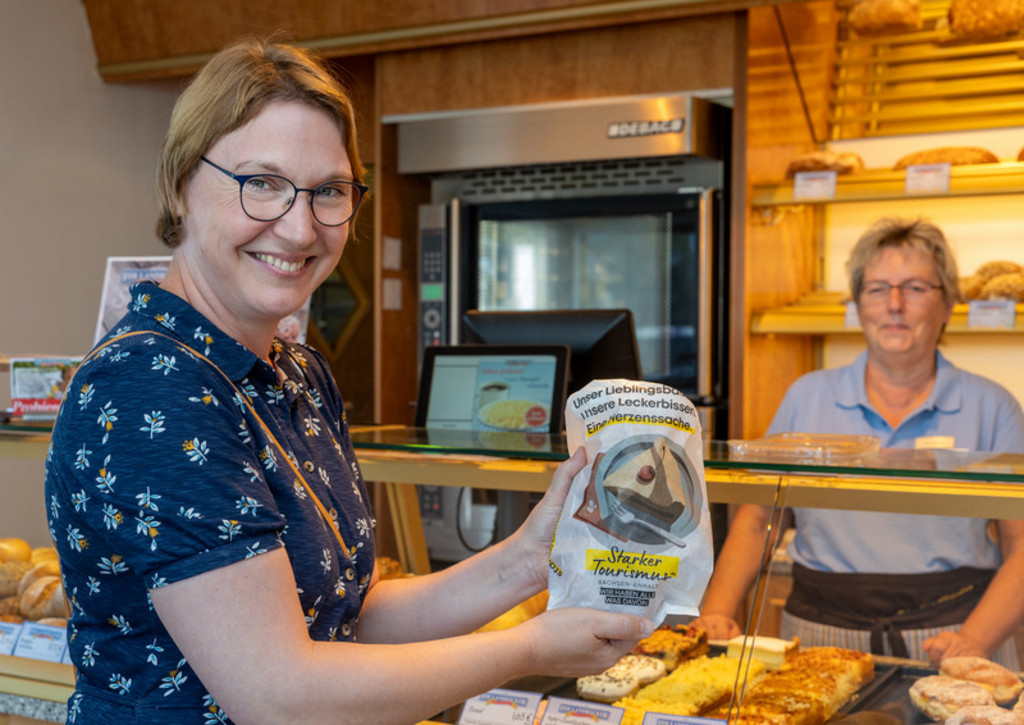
{"x": 654, "y": 718}
{"x": 563, "y": 711}
{"x": 991, "y": 314}
{"x": 501, "y": 707}
{"x": 927, "y": 179}
{"x": 9, "y": 632}
{"x": 41, "y": 642}
{"x": 814, "y": 185}
{"x": 851, "y": 321}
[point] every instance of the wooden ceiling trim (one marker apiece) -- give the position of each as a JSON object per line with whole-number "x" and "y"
{"x": 150, "y": 39}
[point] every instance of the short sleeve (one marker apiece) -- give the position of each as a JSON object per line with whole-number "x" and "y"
{"x": 157, "y": 461}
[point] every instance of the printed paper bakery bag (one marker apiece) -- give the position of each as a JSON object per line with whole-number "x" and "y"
{"x": 634, "y": 534}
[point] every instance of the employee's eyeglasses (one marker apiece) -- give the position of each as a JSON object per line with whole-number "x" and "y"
{"x": 912, "y": 290}
{"x": 267, "y": 197}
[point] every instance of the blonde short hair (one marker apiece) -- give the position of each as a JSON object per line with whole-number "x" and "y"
{"x": 916, "y": 234}
{"x": 231, "y": 90}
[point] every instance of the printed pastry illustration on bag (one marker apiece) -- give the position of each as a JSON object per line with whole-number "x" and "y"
{"x": 634, "y": 534}
{"x": 639, "y": 491}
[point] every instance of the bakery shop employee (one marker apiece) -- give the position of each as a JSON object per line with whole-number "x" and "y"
{"x": 926, "y": 587}
{"x": 213, "y": 526}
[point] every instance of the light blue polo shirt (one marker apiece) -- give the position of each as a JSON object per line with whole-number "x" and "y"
{"x": 977, "y": 413}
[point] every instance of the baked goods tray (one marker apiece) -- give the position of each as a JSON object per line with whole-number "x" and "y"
{"x": 886, "y": 699}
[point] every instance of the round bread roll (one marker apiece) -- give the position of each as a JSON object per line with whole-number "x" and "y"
{"x": 1004, "y": 685}
{"x": 940, "y": 696}
{"x": 54, "y": 621}
{"x": 47, "y": 568}
{"x": 983, "y": 715}
{"x": 11, "y": 573}
{"x": 10, "y": 605}
{"x": 1004, "y": 287}
{"x": 43, "y": 553}
{"x": 35, "y": 602}
{"x": 970, "y": 287}
{"x": 12, "y": 618}
{"x": 14, "y": 549}
{"x": 988, "y": 270}
{"x": 58, "y": 606}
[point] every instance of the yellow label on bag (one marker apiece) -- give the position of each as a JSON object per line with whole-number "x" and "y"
{"x": 631, "y": 564}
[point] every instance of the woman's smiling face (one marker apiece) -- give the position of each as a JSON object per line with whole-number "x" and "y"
{"x": 900, "y": 325}
{"x": 246, "y": 275}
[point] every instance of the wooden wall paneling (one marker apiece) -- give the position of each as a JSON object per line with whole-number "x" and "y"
{"x": 688, "y": 54}
{"x": 145, "y": 39}
{"x": 782, "y": 251}
{"x": 397, "y": 339}
{"x": 738, "y": 213}
{"x": 646, "y": 58}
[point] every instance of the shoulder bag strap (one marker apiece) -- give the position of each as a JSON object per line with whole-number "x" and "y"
{"x": 328, "y": 519}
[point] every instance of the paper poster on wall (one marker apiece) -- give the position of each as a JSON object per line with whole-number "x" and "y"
{"x": 123, "y": 272}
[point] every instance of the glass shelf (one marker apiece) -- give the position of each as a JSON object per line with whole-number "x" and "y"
{"x": 888, "y": 462}
{"x": 899, "y": 463}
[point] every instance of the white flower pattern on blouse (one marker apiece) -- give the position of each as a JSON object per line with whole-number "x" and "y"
{"x": 156, "y": 473}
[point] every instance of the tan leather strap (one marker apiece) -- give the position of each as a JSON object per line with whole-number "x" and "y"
{"x": 331, "y": 523}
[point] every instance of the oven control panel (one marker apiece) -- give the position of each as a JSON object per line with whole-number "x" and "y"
{"x": 433, "y": 276}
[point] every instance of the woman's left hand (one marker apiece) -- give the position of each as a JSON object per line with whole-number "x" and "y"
{"x": 951, "y": 644}
{"x": 536, "y": 532}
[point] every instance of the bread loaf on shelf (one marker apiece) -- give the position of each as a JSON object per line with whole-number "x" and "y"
{"x": 954, "y": 155}
{"x": 984, "y": 19}
{"x": 842, "y": 162}
{"x": 44, "y": 597}
{"x": 11, "y": 573}
{"x": 885, "y": 17}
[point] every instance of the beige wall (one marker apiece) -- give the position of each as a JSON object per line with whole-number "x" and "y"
{"x": 77, "y": 159}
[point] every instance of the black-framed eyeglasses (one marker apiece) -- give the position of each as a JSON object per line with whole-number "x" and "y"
{"x": 912, "y": 290}
{"x": 268, "y": 197}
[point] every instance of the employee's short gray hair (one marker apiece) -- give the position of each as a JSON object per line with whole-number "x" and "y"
{"x": 916, "y": 234}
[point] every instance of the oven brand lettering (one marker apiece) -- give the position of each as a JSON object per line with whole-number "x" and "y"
{"x": 632, "y": 129}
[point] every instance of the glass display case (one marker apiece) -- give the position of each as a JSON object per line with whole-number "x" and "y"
{"x": 941, "y": 482}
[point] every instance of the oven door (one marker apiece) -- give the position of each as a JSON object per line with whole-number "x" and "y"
{"x": 653, "y": 255}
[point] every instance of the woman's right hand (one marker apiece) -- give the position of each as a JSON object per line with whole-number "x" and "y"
{"x": 574, "y": 641}
{"x": 718, "y": 626}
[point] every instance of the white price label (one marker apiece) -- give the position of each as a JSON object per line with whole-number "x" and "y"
{"x": 9, "y": 632}
{"x": 851, "y": 320}
{"x": 563, "y": 711}
{"x": 991, "y": 314}
{"x": 656, "y": 718}
{"x": 41, "y": 642}
{"x": 814, "y": 185}
{"x": 927, "y": 179}
{"x": 501, "y": 707}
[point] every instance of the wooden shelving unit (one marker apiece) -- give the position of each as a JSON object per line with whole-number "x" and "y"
{"x": 1006, "y": 177}
{"x": 824, "y": 313}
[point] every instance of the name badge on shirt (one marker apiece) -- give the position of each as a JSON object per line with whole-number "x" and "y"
{"x": 935, "y": 442}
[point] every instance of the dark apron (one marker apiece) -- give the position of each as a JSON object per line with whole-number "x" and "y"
{"x": 886, "y": 604}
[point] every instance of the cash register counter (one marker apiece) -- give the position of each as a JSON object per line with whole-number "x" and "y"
{"x": 951, "y": 483}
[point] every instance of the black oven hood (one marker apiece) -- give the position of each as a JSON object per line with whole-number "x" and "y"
{"x": 578, "y": 131}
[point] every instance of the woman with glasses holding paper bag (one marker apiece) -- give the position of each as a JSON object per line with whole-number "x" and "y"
{"x": 926, "y": 587}
{"x": 213, "y": 526}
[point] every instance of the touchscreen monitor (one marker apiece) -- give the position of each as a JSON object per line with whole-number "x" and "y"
{"x": 493, "y": 388}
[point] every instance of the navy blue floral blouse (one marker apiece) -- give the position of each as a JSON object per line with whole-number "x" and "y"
{"x": 157, "y": 472}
